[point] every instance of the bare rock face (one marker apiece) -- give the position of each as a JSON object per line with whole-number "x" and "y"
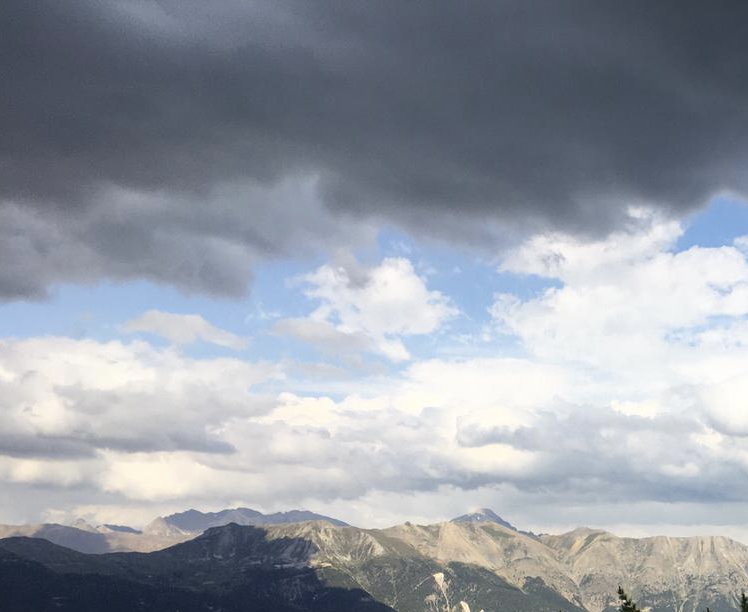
{"x": 512, "y": 555}
{"x": 663, "y": 572}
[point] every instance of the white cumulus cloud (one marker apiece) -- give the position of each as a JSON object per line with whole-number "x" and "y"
{"x": 369, "y": 309}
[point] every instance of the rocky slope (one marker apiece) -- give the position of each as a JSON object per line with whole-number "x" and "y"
{"x": 464, "y": 565}
{"x": 680, "y": 574}
{"x": 512, "y": 555}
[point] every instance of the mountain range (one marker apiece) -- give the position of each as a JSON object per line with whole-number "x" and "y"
{"x": 160, "y": 533}
{"x": 477, "y": 562}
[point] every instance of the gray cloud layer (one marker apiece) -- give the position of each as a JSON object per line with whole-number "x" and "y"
{"x": 175, "y": 140}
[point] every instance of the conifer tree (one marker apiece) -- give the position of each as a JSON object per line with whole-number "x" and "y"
{"x": 626, "y": 604}
{"x": 743, "y": 602}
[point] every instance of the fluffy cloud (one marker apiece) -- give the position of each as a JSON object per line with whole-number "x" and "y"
{"x": 656, "y": 342}
{"x": 184, "y": 329}
{"x": 369, "y": 308}
{"x": 89, "y": 422}
{"x": 63, "y": 398}
{"x": 631, "y": 308}
{"x": 129, "y": 420}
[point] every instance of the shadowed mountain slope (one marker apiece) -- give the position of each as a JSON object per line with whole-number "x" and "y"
{"x": 231, "y": 569}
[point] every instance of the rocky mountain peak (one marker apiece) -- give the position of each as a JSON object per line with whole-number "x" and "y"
{"x": 162, "y": 528}
{"x": 483, "y": 515}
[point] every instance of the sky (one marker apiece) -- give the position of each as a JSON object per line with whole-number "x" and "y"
{"x": 386, "y": 261}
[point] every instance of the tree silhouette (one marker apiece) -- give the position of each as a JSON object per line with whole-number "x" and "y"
{"x": 629, "y": 606}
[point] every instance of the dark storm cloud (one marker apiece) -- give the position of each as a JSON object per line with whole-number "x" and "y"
{"x": 137, "y": 135}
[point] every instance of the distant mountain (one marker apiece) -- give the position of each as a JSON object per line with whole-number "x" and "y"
{"x": 161, "y": 528}
{"x": 196, "y": 522}
{"x": 82, "y": 540}
{"x": 484, "y": 515}
{"x": 161, "y": 532}
{"x": 471, "y": 564}
{"x": 87, "y": 539}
